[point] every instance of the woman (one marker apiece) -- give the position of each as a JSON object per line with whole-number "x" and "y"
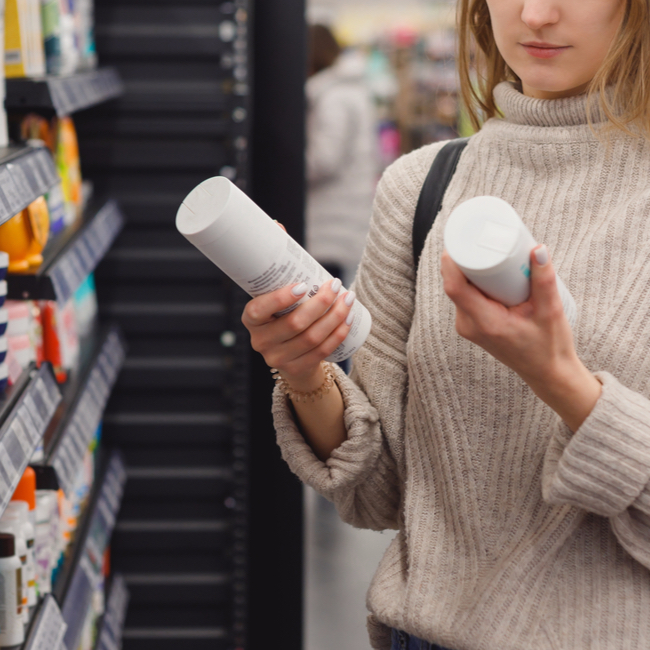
{"x": 341, "y": 155}
{"x": 511, "y": 454}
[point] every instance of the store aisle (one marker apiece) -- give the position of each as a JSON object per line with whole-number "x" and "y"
{"x": 339, "y": 564}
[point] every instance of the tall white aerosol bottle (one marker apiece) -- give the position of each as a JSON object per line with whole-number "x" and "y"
{"x": 491, "y": 244}
{"x": 253, "y": 251}
{"x": 12, "y": 628}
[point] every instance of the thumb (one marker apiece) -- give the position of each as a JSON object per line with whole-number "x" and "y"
{"x": 543, "y": 284}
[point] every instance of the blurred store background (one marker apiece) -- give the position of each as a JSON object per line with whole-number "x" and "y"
{"x": 409, "y": 49}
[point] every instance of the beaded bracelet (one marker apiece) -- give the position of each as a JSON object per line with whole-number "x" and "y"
{"x": 297, "y": 396}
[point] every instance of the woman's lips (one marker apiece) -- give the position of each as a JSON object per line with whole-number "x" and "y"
{"x": 544, "y": 51}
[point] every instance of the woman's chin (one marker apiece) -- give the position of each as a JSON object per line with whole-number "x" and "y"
{"x": 545, "y": 88}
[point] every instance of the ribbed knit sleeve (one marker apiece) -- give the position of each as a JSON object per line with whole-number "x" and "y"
{"x": 361, "y": 477}
{"x": 604, "y": 467}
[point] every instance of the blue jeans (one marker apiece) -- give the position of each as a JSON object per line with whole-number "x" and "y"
{"x": 404, "y": 641}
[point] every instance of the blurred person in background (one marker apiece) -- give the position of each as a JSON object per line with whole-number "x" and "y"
{"x": 342, "y": 160}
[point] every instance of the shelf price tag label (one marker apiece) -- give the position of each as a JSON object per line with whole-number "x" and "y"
{"x": 118, "y": 600}
{"x": 33, "y": 413}
{"x": 12, "y": 444}
{"x": 40, "y": 389}
{"x": 32, "y": 178}
{"x": 33, "y": 432}
{"x": 6, "y": 466}
{"x": 58, "y": 95}
{"x": 20, "y": 433}
{"x": 20, "y": 180}
{"x": 49, "y": 628}
{"x": 46, "y": 165}
{"x": 12, "y": 198}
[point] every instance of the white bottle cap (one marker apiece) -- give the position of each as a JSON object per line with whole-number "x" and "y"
{"x": 204, "y": 216}
{"x": 483, "y": 233}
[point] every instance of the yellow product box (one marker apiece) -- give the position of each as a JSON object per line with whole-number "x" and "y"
{"x": 16, "y": 43}
{"x": 24, "y": 54}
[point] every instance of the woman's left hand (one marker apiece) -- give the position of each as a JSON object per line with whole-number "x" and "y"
{"x": 534, "y": 338}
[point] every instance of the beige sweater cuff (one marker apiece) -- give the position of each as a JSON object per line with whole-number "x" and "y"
{"x": 605, "y": 466}
{"x": 351, "y": 462}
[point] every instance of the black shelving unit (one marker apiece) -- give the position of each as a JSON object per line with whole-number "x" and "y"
{"x": 210, "y": 534}
{"x": 63, "y": 95}
{"x": 36, "y": 409}
{"x": 26, "y": 173}
{"x": 70, "y": 257}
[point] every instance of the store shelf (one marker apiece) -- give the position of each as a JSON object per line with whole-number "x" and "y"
{"x": 76, "y": 421}
{"x": 47, "y": 629}
{"x": 83, "y": 569}
{"x": 109, "y": 636}
{"x": 25, "y": 412}
{"x": 63, "y": 95}
{"x": 25, "y": 174}
{"x": 70, "y": 258}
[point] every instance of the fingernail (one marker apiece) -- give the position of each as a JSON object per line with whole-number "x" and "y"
{"x": 350, "y": 297}
{"x": 541, "y": 255}
{"x": 350, "y": 318}
{"x": 336, "y": 285}
{"x": 299, "y": 289}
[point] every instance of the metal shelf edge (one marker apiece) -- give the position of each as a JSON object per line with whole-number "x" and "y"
{"x": 78, "y": 579}
{"x": 48, "y": 627}
{"x": 74, "y": 433}
{"x": 26, "y": 173}
{"x": 84, "y": 247}
{"x": 64, "y": 95}
{"x": 24, "y": 428}
{"x": 112, "y": 625}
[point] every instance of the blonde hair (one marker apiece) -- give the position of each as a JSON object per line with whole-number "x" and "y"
{"x": 623, "y": 72}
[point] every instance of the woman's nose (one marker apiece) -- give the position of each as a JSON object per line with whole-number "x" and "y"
{"x": 536, "y": 14}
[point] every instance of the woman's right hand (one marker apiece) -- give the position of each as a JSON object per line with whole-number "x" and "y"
{"x": 297, "y": 342}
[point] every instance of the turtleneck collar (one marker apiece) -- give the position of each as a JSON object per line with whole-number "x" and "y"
{"x": 517, "y": 108}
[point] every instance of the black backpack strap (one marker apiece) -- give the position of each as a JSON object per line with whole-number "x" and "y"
{"x": 433, "y": 192}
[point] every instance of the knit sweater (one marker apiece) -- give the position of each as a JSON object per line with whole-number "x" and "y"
{"x": 514, "y": 532}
